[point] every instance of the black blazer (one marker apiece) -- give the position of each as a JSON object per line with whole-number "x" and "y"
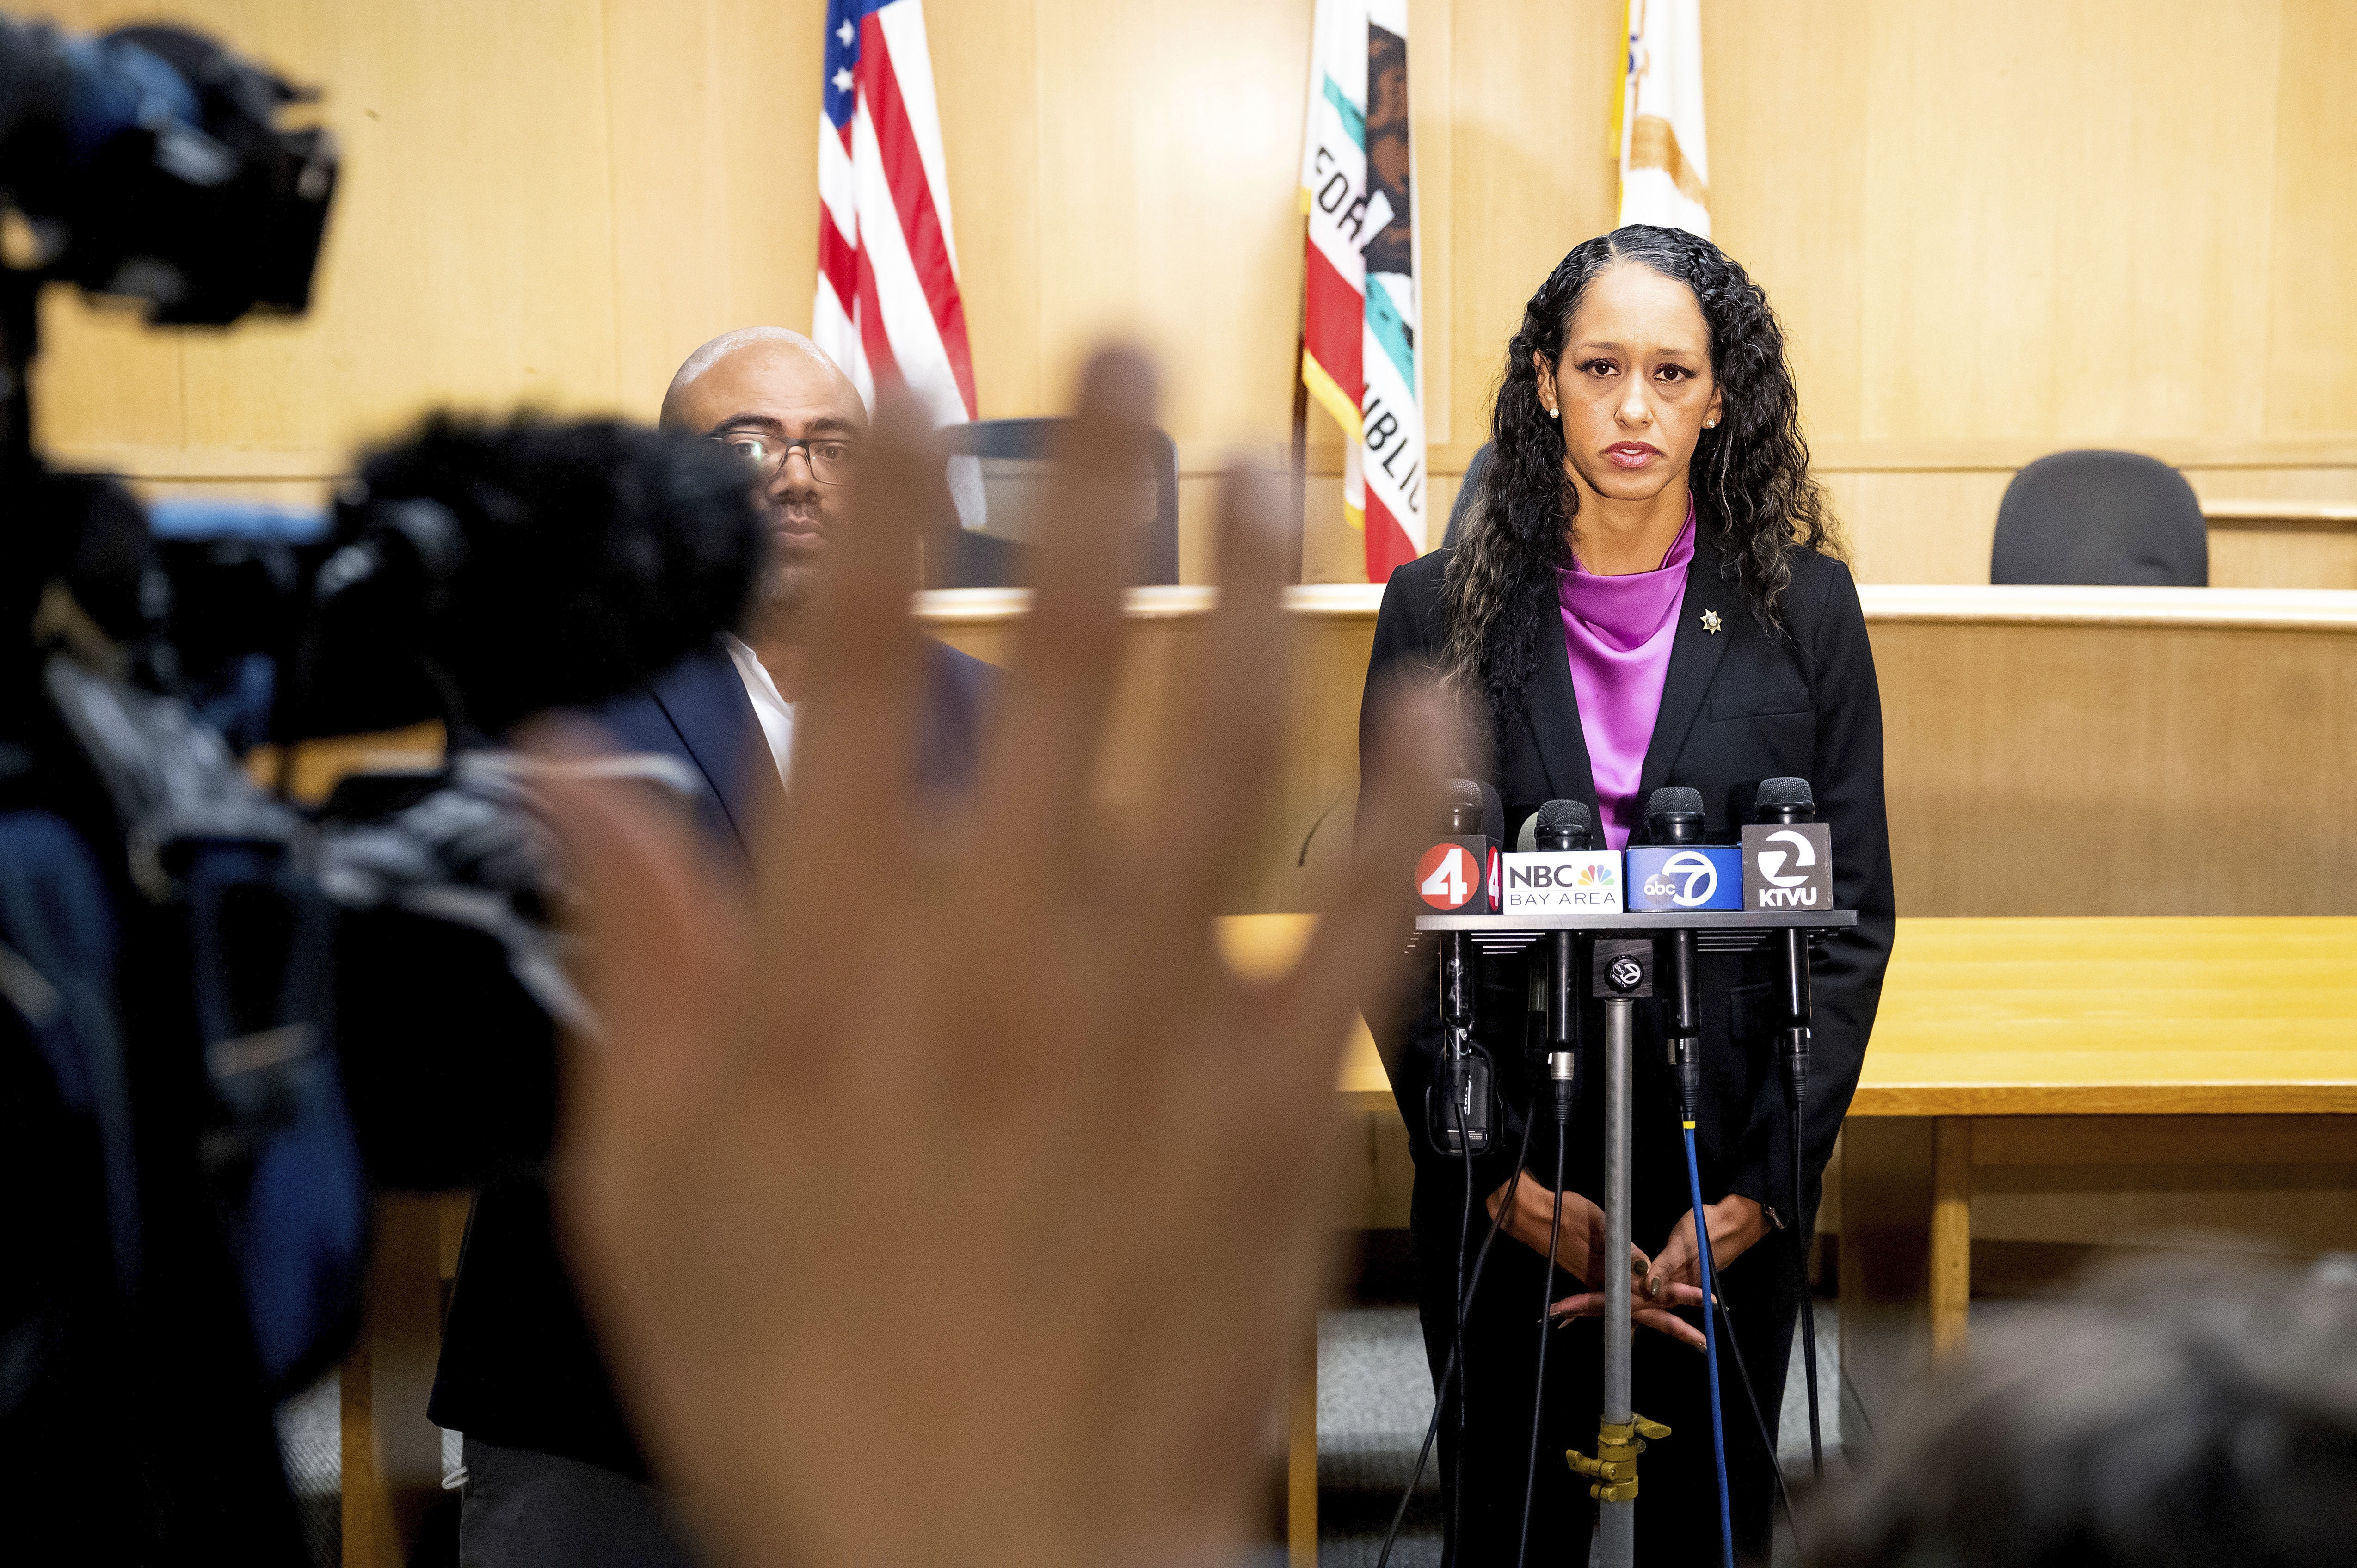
{"x": 1738, "y": 706}
{"x": 519, "y": 1366}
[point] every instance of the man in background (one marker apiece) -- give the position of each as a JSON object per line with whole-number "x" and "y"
{"x": 555, "y": 1474}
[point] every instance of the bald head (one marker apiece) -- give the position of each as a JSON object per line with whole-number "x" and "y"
{"x": 774, "y": 396}
{"x": 777, "y": 352}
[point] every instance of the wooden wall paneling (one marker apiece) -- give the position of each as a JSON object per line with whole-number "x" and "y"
{"x": 712, "y": 112}
{"x": 104, "y": 383}
{"x": 1992, "y": 228}
{"x": 2056, "y": 1185}
{"x": 471, "y": 253}
{"x": 2063, "y": 211}
{"x": 2069, "y": 770}
{"x": 1531, "y": 109}
{"x": 2032, "y": 768}
{"x": 2280, "y": 481}
{"x": 996, "y": 104}
{"x": 1432, "y": 99}
{"x": 2261, "y": 556}
{"x": 1307, "y": 843}
{"x": 1332, "y": 550}
{"x": 1169, "y": 158}
{"x": 1785, "y": 86}
{"x": 2311, "y": 330}
{"x": 1924, "y": 527}
{"x": 468, "y": 258}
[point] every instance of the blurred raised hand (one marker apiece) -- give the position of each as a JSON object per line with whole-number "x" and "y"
{"x": 946, "y": 1198}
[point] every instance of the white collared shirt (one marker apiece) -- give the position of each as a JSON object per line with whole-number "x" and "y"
{"x": 776, "y": 713}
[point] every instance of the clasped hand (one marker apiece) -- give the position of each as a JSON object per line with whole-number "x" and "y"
{"x": 1660, "y": 1284}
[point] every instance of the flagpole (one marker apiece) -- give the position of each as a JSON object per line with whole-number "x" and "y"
{"x": 1299, "y": 469}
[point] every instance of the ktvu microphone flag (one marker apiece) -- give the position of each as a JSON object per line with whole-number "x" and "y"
{"x": 1664, "y": 167}
{"x": 887, "y": 282}
{"x": 1363, "y": 310}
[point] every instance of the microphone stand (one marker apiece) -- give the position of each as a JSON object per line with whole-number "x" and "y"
{"x": 1623, "y": 974}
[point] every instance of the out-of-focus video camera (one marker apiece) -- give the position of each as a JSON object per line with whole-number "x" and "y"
{"x": 224, "y": 1016}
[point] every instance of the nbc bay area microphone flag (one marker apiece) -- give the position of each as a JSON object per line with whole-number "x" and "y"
{"x": 1664, "y": 165}
{"x": 1363, "y": 310}
{"x": 887, "y": 279}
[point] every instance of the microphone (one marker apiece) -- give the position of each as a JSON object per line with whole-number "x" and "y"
{"x": 1780, "y": 806}
{"x": 1456, "y": 874}
{"x": 1674, "y": 816}
{"x": 1562, "y": 825}
{"x": 1782, "y": 802}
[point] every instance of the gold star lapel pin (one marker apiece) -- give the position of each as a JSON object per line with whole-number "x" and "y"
{"x": 1710, "y": 622}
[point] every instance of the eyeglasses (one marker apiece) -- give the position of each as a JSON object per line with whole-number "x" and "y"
{"x": 830, "y": 459}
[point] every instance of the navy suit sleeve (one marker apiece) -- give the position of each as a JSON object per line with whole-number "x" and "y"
{"x": 1846, "y": 975}
{"x": 1409, "y": 645}
{"x": 959, "y": 687}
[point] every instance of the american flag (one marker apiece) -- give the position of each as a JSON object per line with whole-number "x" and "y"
{"x": 888, "y": 280}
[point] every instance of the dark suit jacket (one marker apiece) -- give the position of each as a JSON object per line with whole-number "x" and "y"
{"x": 1738, "y": 706}
{"x": 519, "y": 1366}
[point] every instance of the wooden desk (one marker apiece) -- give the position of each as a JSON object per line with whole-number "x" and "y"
{"x": 2117, "y": 1078}
{"x": 2123, "y": 1081}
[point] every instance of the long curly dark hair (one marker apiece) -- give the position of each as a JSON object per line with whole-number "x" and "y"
{"x": 1750, "y": 477}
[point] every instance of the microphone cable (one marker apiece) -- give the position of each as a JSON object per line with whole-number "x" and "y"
{"x": 1448, "y": 1372}
{"x": 1559, "y": 1065}
{"x": 1776, "y": 1464}
{"x": 1797, "y": 1075}
{"x": 1457, "y": 1333}
{"x": 1689, "y": 1084}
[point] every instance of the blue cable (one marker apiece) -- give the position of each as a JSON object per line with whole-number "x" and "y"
{"x": 1710, "y": 1347}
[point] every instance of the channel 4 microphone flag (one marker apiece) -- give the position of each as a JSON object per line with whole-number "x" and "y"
{"x": 887, "y": 281}
{"x": 1362, "y": 305}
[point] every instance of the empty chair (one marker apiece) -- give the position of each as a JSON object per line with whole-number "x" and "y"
{"x": 2101, "y": 517}
{"x": 997, "y": 470}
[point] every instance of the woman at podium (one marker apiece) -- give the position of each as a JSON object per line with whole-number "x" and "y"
{"x": 1648, "y": 592}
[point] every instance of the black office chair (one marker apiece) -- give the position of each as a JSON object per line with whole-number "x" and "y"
{"x": 998, "y": 502}
{"x": 2101, "y": 518}
{"x": 1464, "y": 501}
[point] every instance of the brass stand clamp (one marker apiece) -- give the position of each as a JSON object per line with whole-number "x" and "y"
{"x": 1617, "y": 1444}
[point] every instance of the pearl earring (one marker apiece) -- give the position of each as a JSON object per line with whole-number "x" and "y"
{"x": 1555, "y": 413}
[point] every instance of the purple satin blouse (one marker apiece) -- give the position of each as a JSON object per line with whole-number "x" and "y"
{"x": 1616, "y": 633}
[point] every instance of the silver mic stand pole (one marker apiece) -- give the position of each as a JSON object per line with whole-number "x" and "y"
{"x": 1623, "y": 972}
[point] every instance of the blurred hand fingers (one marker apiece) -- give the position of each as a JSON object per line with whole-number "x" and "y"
{"x": 1354, "y": 957}
{"x": 1042, "y": 751}
{"x": 1222, "y": 755}
{"x": 856, "y": 728}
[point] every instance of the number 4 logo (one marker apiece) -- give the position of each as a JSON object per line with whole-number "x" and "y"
{"x": 1445, "y": 876}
